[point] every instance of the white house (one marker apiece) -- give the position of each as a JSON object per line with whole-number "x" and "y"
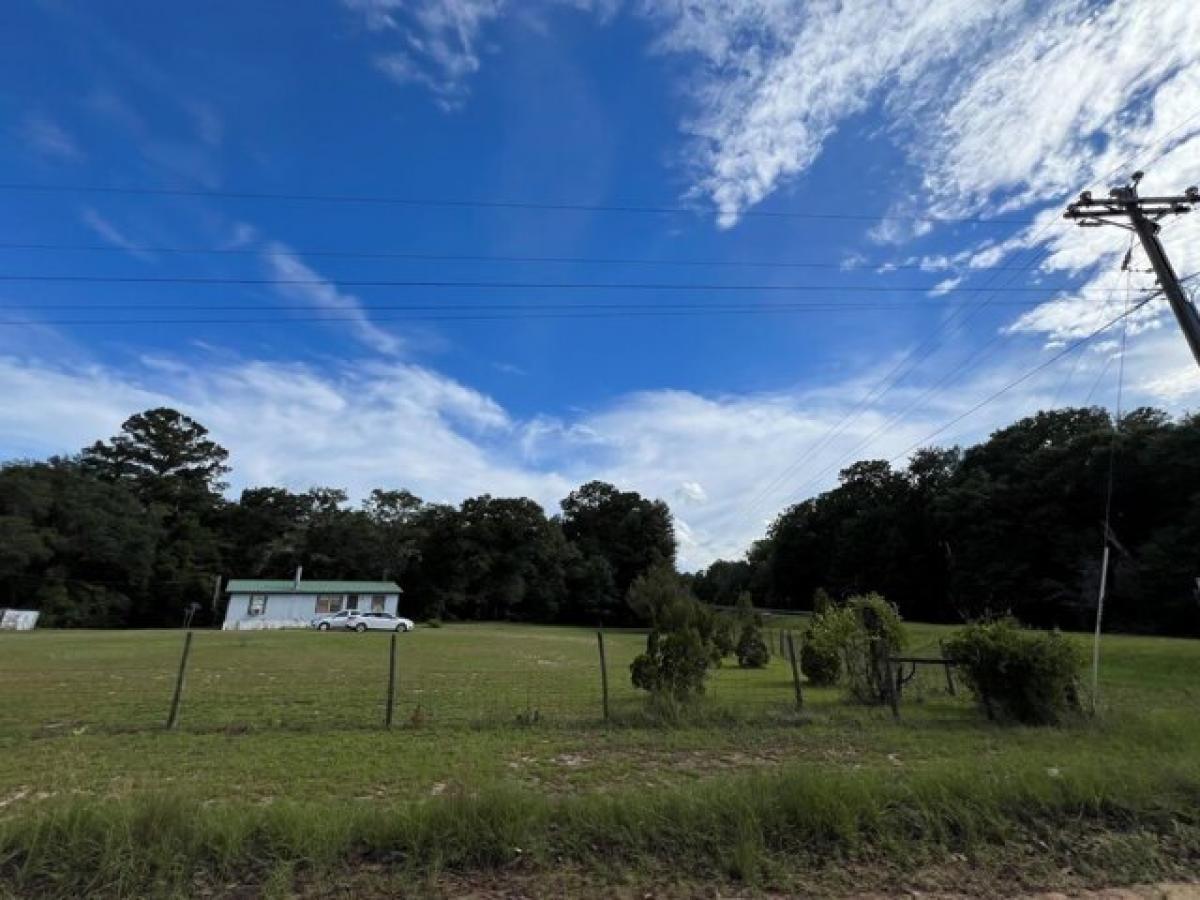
{"x": 18, "y": 619}
{"x": 258, "y": 603}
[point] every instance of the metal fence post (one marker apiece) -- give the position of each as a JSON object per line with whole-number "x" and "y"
{"x": 949, "y": 675}
{"x": 390, "y": 712}
{"x": 791, "y": 645}
{"x": 177, "y": 697}
{"x": 603, "y": 672}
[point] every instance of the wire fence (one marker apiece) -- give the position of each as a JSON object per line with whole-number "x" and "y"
{"x": 460, "y": 676}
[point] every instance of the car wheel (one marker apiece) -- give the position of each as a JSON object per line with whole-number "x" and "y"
{"x": 324, "y": 626}
{"x": 360, "y": 627}
{"x": 401, "y": 627}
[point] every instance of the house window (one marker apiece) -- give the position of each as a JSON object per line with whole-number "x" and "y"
{"x": 378, "y": 603}
{"x": 257, "y": 605}
{"x": 329, "y": 603}
{"x": 352, "y": 601}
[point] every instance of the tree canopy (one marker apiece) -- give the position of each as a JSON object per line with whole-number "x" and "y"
{"x": 136, "y": 528}
{"x": 1011, "y": 525}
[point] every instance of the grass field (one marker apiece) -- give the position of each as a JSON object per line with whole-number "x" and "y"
{"x": 282, "y": 779}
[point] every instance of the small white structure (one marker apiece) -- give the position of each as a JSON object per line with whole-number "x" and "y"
{"x": 256, "y": 603}
{"x": 18, "y": 619}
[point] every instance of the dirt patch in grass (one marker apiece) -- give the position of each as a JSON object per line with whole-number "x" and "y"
{"x": 618, "y": 768}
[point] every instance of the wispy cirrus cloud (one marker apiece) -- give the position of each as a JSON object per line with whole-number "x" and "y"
{"x": 49, "y": 139}
{"x": 109, "y": 231}
{"x": 438, "y": 42}
{"x": 285, "y": 264}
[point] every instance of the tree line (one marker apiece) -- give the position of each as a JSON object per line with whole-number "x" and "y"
{"x": 1014, "y": 524}
{"x": 132, "y": 530}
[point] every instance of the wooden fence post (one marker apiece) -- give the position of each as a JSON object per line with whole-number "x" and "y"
{"x": 603, "y": 672}
{"x": 887, "y": 676}
{"x": 391, "y": 686}
{"x": 177, "y": 697}
{"x": 791, "y": 645}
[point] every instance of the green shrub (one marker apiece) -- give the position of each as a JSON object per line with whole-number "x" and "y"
{"x": 824, "y": 642}
{"x": 1018, "y": 674}
{"x": 878, "y": 632}
{"x": 842, "y": 642}
{"x": 723, "y": 636}
{"x": 675, "y": 664}
{"x": 820, "y": 661}
{"x": 752, "y": 650}
{"x": 681, "y": 646}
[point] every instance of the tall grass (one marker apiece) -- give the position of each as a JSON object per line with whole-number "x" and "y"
{"x": 733, "y": 828}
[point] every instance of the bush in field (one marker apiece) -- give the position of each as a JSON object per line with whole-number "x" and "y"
{"x": 824, "y": 641}
{"x": 879, "y": 632}
{"x": 752, "y": 650}
{"x": 681, "y": 646}
{"x": 723, "y": 636}
{"x": 674, "y": 665}
{"x": 1018, "y": 674}
{"x": 843, "y": 640}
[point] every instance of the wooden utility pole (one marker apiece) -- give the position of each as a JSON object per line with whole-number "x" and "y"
{"x": 1141, "y": 215}
{"x": 1124, "y": 208}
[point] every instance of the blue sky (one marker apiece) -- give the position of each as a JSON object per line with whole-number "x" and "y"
{"x": 750, "y": 119}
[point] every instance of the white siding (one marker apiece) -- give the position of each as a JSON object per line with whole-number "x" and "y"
{"x": 287, "y": 610}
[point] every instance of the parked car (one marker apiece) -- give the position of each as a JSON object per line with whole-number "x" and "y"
{"x": 378, "y": 621}
{"x": 333, "y": 620}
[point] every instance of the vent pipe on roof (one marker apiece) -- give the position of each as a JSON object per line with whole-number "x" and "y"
{"x": 296, "y": 581}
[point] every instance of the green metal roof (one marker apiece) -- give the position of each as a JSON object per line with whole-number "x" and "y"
{"x": 287, "y": 586}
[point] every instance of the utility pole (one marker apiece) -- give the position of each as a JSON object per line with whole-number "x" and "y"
{"x": 1143, "y": 215}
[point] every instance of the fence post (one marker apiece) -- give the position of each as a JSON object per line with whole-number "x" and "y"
{"x": 949, "y": 675}
{"x": 791, "y": 645}
{"x": 177, "y": 697}
{"x": 391, "y": 686}
{"x": 603, "y": 672}
{"x": 883, "y": 668}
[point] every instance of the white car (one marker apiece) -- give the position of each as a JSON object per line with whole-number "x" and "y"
{"x": 377, "y": 621}
{"x": 332, "y": 620}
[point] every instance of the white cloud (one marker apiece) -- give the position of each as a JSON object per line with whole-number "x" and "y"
{"x": 438, "y": 42}
{"x": 985, "y": 98}
{"x": 945, "y": 286}
{"x": 775, "y": 78}
{"x": 284, "y": 264}
{"x": 726, "y": 464}
{"x": 49, "y": 139}
{"x": 111, "y": 233}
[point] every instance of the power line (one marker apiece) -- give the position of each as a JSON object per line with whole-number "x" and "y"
{"x": 881, "y": 267}
{"x": 1070, "y": 348}
{"x": 42, "y": 278}
{"x": 452, "y": 203}
{"x": 910, "y": 360}
{"x": 818, "y": 305}
{"x": 642, "y": 312}
{"x": 903, "y": 367}
{"x": 1099, "y": 378}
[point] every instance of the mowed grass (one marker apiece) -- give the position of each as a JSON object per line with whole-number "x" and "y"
{"x": 281, "y": 766}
